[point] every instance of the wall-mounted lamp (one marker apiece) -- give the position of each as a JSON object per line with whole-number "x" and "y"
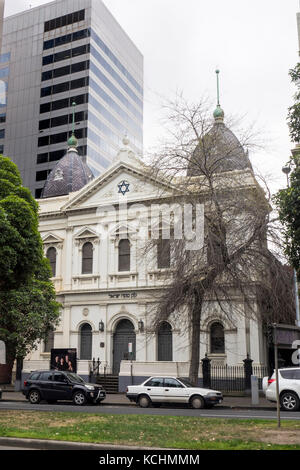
{"x": 101, "y": 326}
{"x": 141, "y": 325}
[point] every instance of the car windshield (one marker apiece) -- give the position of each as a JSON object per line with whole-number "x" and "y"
{"x": 186, "y": 382}
{"x": 74, "y": 378}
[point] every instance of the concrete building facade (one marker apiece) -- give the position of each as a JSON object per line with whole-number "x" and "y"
{"x": 63, "y": 52}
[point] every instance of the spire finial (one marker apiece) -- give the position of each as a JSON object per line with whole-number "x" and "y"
{"x": 218, "y": 113}
{"x": 72, "y": 142}
{"x": 218, "y": 87}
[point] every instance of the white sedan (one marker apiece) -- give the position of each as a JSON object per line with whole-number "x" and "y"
{"x": 157, "y": 390}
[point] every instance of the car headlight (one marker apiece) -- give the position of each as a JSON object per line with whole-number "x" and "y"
{"x": 212, "y": 394}
{"x": 90, "y": 387}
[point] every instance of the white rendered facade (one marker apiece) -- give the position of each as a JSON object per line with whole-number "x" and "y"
{"x": 109, "y": 295}
{"x": 52, "y": 55}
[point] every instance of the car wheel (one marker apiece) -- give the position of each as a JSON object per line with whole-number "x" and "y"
{"x": 34, "y": 397}
{"x": 144, "y": 401}
{"x": 79, "y": 399}
{"x": 197, "y": 402}
{"x": 289, "y": 401}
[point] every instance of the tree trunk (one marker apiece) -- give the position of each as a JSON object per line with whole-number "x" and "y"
{"x": 195, "y": 343}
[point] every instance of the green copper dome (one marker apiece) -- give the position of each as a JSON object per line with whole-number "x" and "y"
{"x": 72, "y": 142}
{"x": 219, "y": 113}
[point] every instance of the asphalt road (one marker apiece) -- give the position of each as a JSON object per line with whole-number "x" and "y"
{"x": 216, "y": 412}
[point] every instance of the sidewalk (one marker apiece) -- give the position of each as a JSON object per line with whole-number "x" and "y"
{"x": 120, "y": 399}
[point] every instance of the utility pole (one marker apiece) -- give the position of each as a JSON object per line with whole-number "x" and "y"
{"x": 275, "y": 342}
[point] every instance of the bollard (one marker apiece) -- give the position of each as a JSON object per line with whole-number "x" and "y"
{"x": 254, "y": 390}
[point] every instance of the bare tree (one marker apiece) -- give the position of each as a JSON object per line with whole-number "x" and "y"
{"x": 207, "y": 165}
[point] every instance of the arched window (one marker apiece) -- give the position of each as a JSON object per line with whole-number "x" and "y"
{"x": 217, "y": 338}
{"x": 49, "y": 342}
{"x": 51, "y": 255}
{"x": 163, "y": 253}
{"x": 86, "y": 339}
{"x": 164, "y": 342}
{"x": 124, "y": 255}
{"x": 87, "y": 258}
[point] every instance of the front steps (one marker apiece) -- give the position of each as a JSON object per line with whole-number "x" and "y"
{"x": 110, "y": 383}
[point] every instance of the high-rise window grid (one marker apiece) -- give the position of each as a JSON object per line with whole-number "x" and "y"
{"x": 64, "y": 20}
{"x": 61, "y": 137}
{"x": 98, "y": 57}
{"x": 117, "y": 63}
{"x": 63, "y": 103}
{"x": 62, "y": 120}
{"x": 112, "y": 103}
{"x": 118, "y": 94}
{"x": 66, "y": 54}
{"x": 58, "y": 154}
{"x": 67, "y": 38}
{"x": 66, "y": 70}
{"x": 65, "y": 86}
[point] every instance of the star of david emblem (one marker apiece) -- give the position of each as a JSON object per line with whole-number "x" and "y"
{"x": 123, "y": 187}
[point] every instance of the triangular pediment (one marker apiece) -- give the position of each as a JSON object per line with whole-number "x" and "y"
{"x": 50, "y": 238}
{"x": 86, "y": 232}
{"x": 121, "y": 183}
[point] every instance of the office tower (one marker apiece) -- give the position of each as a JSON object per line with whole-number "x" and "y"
{"x": 298, "y": 25}
{"x": 2, "y": 2}
{"x": 63, "y": 52}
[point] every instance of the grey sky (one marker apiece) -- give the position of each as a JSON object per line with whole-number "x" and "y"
{"x": 253, "y": 42}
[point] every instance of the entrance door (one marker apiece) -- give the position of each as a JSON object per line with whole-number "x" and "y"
{"x": 164, "y": 340}
{"x": 86, "y": 338}
{"x": 123, "y": 335}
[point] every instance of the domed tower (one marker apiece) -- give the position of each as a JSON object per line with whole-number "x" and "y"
{"x": 219, "y": 150}
{"x": 70, "y": 173}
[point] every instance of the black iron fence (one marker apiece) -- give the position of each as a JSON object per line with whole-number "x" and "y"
{"x": 231, "y": 378}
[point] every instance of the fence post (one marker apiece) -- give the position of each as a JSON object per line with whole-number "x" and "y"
{"x": 206, "y": 372}
{"x": 248, "y": 372}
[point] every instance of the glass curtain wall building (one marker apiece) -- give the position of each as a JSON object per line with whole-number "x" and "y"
{"x": 63, "y": 52}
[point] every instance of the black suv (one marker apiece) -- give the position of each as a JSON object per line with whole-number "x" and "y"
{"x": 53, "y": 385}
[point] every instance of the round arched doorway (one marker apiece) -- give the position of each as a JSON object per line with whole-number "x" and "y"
{"x": 124, "y": 334}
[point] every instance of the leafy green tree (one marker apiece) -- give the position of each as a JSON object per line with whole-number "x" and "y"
{"x": 288, "y": 199}
{"x": 28, "y": 309}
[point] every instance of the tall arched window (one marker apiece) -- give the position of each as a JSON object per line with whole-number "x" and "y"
{"x": 86, "y": 339}
{"x": 217, "y": 338}
{"x": 49, "y": 342}
{"x": 163, "y": 253}
{"x": 124, "y": 255}
{"x": 87, "y": 258}
{"x": 51, "y": 255}
{"x": 164, "y": 342}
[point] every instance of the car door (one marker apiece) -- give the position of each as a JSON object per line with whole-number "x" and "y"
{"x": 45, "y": 385}
{"x": 174, "y": 391}
{"x": 296, "y": 381}
{"x": 61, "y": 387}
{"x": 155, "y": 389}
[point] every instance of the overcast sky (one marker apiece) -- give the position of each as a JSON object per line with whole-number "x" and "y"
{"x": 254, "y": 43}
